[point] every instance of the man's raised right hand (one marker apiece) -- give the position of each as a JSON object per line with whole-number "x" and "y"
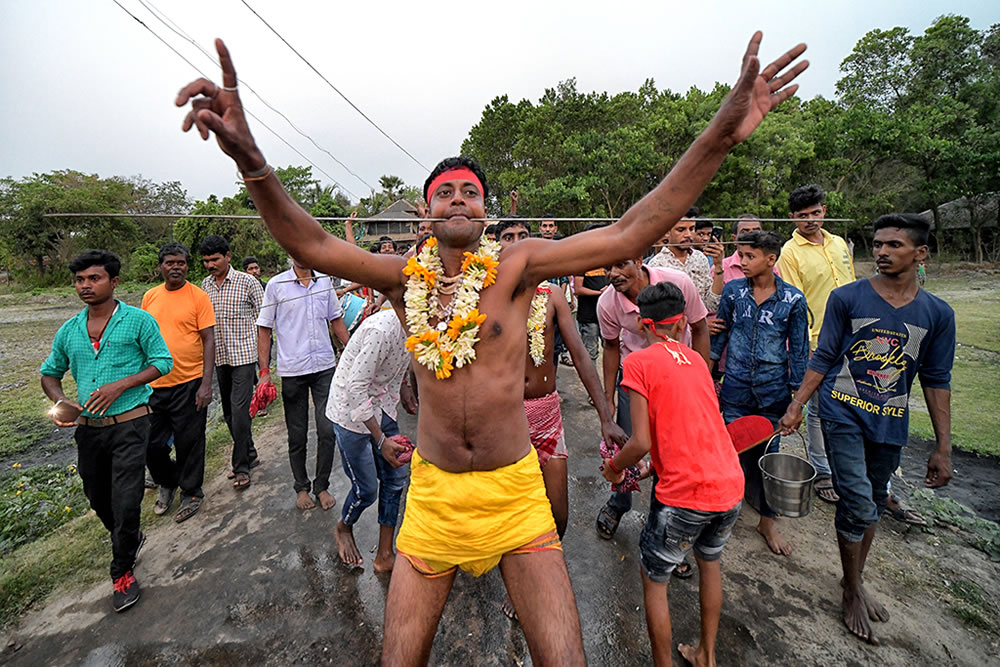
{"x": 217, "y": 109}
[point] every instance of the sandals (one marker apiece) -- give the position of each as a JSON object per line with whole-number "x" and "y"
{"x": 189, "y": 507}
{"x": 253, "y": 464}
{"x": 607, "y": 523}
{"x": 241, "y": 480}
{"x": 163, "y": 501}
{"x": 825, "y": 491}
{"x": 684, "y": 570}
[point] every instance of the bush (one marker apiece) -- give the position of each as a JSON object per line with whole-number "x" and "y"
{"x": 37, "y": 501}
{"x": 144, "y": 263}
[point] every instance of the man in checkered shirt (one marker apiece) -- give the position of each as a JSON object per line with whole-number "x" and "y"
{"x": 236, "y": 298}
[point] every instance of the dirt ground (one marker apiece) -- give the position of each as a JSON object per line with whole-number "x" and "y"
{"x": 253, "y": 580}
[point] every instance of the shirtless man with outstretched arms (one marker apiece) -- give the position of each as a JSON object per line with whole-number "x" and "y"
{"x": 472, "y": 429}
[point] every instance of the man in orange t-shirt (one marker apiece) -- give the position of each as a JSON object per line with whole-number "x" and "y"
{"x": 699, "y": 487}
{"x": 180, "y": 399}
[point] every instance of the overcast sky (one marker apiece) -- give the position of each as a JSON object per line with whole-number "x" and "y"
{"x": 85, "y": 87}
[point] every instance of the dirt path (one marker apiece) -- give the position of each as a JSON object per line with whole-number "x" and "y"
{"x": 252, "y": 580}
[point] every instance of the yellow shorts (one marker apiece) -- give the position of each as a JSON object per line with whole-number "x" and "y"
{"x": 471, "y": 519}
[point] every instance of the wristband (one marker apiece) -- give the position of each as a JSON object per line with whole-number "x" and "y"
{"x": 258, "y": 175}
{"x": 263, "y": 372}
{"x": 795, "y": 400}
{"x": 613, "y": 468}
{"x": 379, "y": 445}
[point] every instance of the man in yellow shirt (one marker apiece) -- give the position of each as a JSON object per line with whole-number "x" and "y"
{"x": 816, "y": 262}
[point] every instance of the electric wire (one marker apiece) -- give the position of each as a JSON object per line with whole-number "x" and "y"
{"x": 327, "y": 81}
{"x": 247, "y": 111}
{"x": 159, "y": 15}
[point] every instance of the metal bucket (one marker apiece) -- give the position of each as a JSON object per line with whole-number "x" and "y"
{"x": 788, "y": 483}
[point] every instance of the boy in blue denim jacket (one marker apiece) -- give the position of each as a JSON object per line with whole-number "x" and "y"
{"x": 767, "y": 331}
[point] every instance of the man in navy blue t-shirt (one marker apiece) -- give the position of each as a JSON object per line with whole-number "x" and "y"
{"x": 878, "y": 335}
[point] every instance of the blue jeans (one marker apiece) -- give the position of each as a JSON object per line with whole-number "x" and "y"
{"x": 817, "y": 450}
{"x": 861, "y": 471}
{"x": 370, "y": 474}
{"x": 741, "y": 400}
{"x": 671, "y": 532}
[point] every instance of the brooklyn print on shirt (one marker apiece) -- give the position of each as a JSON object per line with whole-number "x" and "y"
{"x": 870, "y": 352}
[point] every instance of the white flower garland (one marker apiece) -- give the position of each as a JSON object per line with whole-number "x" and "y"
{"x": 451, "y": 344}
{"x": 536, "y": 323}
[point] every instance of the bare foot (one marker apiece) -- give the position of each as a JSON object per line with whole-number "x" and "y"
{"x": 856, "y": 616}
{"x": 346, "y": 547}
{"x": 303, "y": 501}
{"x": 876, "y": 610}
{"x": 508, "y": 608}
{"x": 695, "y": 657}
{"x": 326, "y": 501}
{"x": 775, "y": 541}
{"x": 384, "y": 561}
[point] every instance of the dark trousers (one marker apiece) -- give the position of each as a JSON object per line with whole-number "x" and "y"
{"x": 111, "y": 461}
{"x": 175, "y": 414}
{"x": 295, "y": 392}
{"x": 621, "y": 501}
{"x": 236, "y": 389}
{"x": 740, "y": 399}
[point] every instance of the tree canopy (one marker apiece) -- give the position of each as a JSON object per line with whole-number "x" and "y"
{"x": 914, "y": 124}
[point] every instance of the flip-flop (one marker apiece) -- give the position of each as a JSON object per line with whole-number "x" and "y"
{"x": 607, "y": 523}
{"x": 189, "y": 507}
{"x": 241, "y": 480}
{"x": 253, "y": 464}
{"x": 907, "y": 515}
{"x": 825, "y": 491}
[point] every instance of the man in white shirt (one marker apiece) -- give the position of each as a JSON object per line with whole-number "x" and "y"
{"x": 302, "y": 308}
{"x": 362, "y": 407}
{"x": 679, "y": 253}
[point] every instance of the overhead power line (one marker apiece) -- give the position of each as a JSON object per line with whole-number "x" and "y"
{"x": 346, "y": 99}
{"x": 247, "y": 111}
{"x": 159, "y": 15}
{"x": 386, "y": 219}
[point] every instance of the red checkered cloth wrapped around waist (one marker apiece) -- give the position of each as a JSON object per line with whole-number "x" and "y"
{"x": 545, "y": 427}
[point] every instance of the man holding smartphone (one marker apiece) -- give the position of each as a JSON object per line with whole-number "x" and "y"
{"x": 680, "y": 252}
{"x": 113, "y": 351}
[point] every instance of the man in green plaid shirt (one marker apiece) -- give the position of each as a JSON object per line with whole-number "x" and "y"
{"x": 112, "y": 350}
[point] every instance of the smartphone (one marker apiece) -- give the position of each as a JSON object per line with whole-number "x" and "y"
{"x": 65, "y": 412}
{"x": 717, "y": 233}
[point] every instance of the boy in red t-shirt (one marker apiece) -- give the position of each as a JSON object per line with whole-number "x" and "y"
{"x": 699, "y": 487}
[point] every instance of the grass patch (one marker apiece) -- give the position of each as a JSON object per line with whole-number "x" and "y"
{"x": 972, "y": 606}
{"x": 975, "y": 376}
{"x": 975, "y": 297}
{"x": 77, "y": 553}
{"x": 36, "y": 501}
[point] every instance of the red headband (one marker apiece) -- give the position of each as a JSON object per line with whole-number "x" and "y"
{"x": 670, "y": 320}
{"x": 458, "y": 173}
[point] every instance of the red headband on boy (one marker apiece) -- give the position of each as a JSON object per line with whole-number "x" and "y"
{"x": 670, "y": 320}
{"x": 458, "y": 173}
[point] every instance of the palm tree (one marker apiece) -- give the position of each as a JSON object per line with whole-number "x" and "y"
{"x": 389, "y": 185}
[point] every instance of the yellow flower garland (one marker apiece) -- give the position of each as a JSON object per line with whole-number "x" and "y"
{"x": 536, "y": 323}
{"x": 452, "y": 343}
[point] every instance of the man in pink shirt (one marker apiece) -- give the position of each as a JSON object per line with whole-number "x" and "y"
{"x": 618, "y": 316}
{"x": 731, "y": 269}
